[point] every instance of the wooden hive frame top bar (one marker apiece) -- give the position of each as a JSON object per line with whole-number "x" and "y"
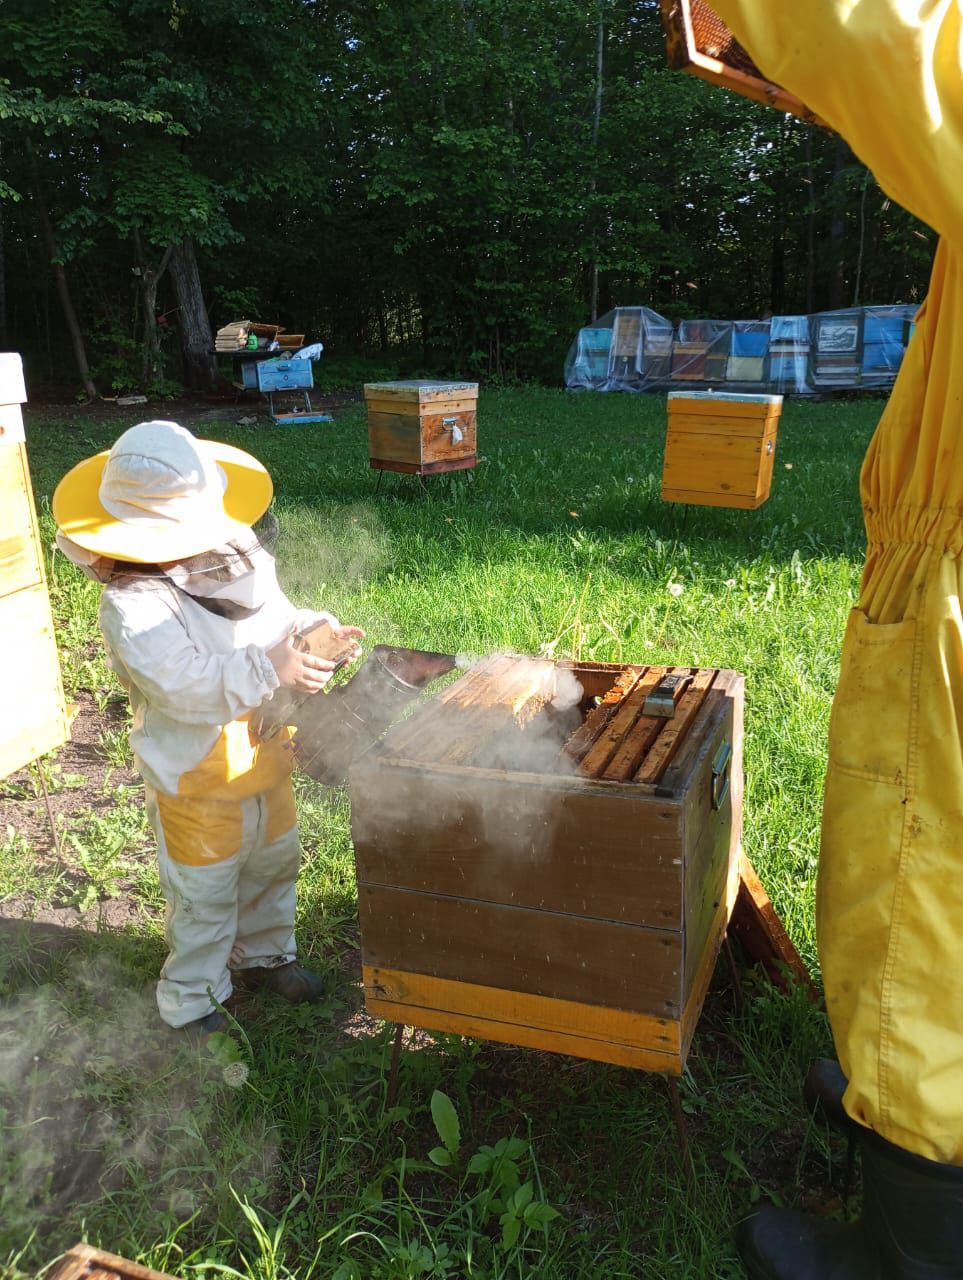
{"x": 615, "y": 743}
{"x": 698, "y": 41}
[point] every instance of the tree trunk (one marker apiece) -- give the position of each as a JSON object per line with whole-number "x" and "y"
{"x": 596, "y": 124}
{"x": 151, "y": 364}
{"x": 837, "y": 228}
{"x": 63, "y": 289}
{"x": 197, "y": 341}
{"x": 810, "y": 227}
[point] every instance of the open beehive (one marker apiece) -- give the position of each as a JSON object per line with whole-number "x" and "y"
{"x": 83, "y": 1262}
{"x": 698, "y": 41}
{"x": 547, "y": 854}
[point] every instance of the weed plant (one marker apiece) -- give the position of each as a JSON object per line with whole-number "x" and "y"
{"x": 278, "y": 1154}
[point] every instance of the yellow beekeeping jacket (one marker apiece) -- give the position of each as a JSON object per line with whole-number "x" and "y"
{"x": 888, "y": 75}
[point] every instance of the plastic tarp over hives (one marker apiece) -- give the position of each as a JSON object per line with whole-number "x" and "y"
{"x": 636, "y": 349}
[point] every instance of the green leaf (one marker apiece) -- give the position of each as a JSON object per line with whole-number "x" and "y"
{"x": 539, "y": 1215}
{"x": 440, "y": 1157}
{"x": 523, "y": 1197}
{"x": 446, "y": 1121}
{"x": 480, "y": 1163}
{"x": 511, "y": 1229}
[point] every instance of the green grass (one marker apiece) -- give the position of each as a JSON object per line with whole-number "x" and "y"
{"x": 561, "y": 545}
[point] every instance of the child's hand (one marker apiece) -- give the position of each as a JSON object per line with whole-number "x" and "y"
{"x": 296, "y": 670}
{"x": 342, "y": 632}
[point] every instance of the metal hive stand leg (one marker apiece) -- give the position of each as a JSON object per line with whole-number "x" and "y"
{"x": 395, "y": 1063}
{"x": 681, "y": 1131}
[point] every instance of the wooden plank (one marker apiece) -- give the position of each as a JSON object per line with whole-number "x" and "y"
{"x": 524, "y": 690}
{"x": 394, "y": 437}
{"x": 597, "y": 678}
{"x": 732, "y": 69}
{"x": 439, "y": 728}
{"x": 607, "y": 743}
{"x": 541, "y": 952}
{"x": 722, "y": 425}
{"x": 19, "y": 542}
{"x": 594, "y": 723}
{"x": 527, "y": 1037}
{"x": 594, "y": 1022}
{"x": 671, "y": 737}
{"x": 698, "y": 986}
{"x": 744, "y": 413}
{"x": 636, "y": 744}
{"x": 701, "y": 498}
{"x": 762, "y": 935}
{"x": 417, "y": 412}
{"x": 420, "y": 391}
{"x": 423, "y": 469}
{"x": 437, "y": 439}
{"x": 33, "y": 717}
{"x": 605, "y": 852}
{"x": 764, "y": 478}
{"x": 84, "y": 1260}
{"x": 718, "y": 464}
{"x": 728, "y": 685}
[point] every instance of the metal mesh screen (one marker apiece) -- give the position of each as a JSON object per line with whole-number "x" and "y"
{"x": 714, "y": 39}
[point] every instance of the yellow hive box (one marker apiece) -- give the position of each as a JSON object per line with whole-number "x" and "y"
{"x": 33, "y": 717}
{"x": 720, "y": 448}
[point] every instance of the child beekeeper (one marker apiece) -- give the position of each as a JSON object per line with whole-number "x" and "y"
{"x": 199, "y": 633}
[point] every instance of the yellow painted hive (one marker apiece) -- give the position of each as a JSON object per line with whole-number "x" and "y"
{"x": 720, "y": 448}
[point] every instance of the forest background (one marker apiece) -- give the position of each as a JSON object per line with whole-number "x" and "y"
{"x": 429, "y": 187}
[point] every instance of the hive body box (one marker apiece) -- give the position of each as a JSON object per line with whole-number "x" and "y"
{"x": 720, "y": 448}
{"x": 33, "y": 718}
{"x": 542, "y": 907}
{"x": 420, "y": 427}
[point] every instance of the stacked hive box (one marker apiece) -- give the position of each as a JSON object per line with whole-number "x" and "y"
{"x": 657, "y": 353}
{"x": 837, "y": 348}
{"x": 720, "y": 448}
{"x": 553, "y": 869}
{"x": 33, "y": 718}
{"x": 789, "y": 352}
{"x": 421, "y": 427}
{"x": 750, "y": 344}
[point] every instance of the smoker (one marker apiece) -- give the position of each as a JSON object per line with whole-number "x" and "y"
{"x": 335, "y": 728}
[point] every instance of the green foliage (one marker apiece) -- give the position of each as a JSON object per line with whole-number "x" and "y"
{"x": 419, "y": 184}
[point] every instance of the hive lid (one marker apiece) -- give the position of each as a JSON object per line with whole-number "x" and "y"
{"x": 419, "y": 390}
{"x": 12, "y": 389}
{"x": 730, "y": 397}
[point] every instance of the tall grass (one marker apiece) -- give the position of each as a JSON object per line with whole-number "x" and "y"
{"x": 561, "y": 545}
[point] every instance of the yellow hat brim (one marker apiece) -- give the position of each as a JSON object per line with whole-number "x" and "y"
{"x": 82, "y": 517}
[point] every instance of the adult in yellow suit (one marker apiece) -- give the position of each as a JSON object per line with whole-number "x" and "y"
{"x": 888, "y": 76}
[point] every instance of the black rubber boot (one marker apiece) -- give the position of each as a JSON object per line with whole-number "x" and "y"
{"x": 289, "y": 981}
{"x": 823, "y": 1091}
{"x": 780, "y": 1244}
{"x": 911, "y": 1227}
{"x": 201, "y": 1028}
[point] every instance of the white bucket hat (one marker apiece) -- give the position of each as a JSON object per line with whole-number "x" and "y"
{"x": 160, "y": 494}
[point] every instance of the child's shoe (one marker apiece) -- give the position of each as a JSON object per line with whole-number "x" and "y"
{"x": 289, "y": 981}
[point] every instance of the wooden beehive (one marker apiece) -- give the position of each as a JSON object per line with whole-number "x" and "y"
{"x": 553, "y": 868}
{"x": 33, "y": 717}
{"x": 421, "y": 427}
{"x": 83, "y": 1262}
{"x": 720, "y": 448}
{"x": 698, "y": 41}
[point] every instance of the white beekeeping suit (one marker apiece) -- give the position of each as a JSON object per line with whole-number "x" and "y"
{"x": 189, "y": 616}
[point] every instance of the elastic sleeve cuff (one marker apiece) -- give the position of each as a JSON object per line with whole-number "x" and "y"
{"x": 266, "y": 671}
